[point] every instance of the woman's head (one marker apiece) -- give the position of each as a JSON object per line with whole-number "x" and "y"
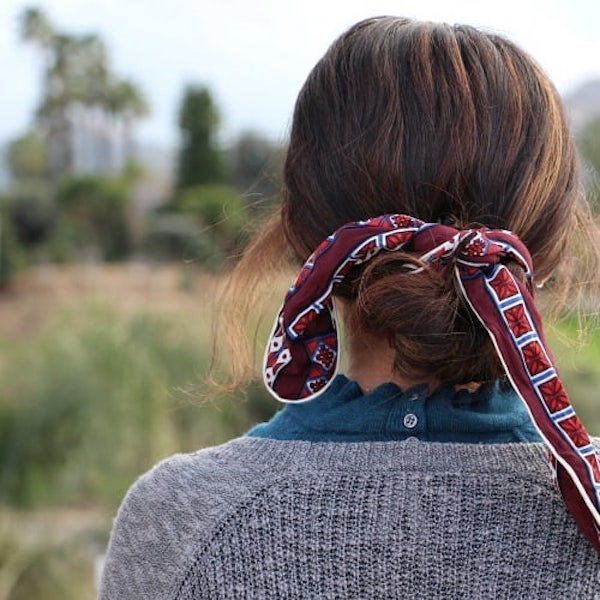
{"x": 436, "y": 121}
{"x": 444, "y": 123}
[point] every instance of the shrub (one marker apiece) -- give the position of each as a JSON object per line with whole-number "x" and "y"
{"x": 96, "y": 399}
{"x": 98, "y": 208}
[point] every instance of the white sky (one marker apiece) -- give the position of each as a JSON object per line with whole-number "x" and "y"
{"x": 256, "y": 54}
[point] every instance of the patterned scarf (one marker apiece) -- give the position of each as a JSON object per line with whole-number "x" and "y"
{"x": 302, "y": 354}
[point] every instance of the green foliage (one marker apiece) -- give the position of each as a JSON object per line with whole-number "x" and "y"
{"x": 55, "y": 572}
{"x": 174, "y": 236}
{"x": 93, "y": 388}
{"x": 78, "y": 72}
{"x": 126, "y": 99}
{"x": 33, "y": 218}
{"x": 221, "y": 215}
{"x": 36, "y": 27}
{"x": 97, "y": 208}
{"x": 58, "y": 567}
{"x": 27, "y": 158}
{"x": 216, "y": 205}
{"x": 86, "y": 215}
{"x": 96, "y": 399}
{"x": 133, "y": 171}
{"x": 199, "y": 158}
{"x": 204, "y": 224}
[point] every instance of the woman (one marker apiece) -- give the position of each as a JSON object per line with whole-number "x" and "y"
{"x": 430, "y": 183}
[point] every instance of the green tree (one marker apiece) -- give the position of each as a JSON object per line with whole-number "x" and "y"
{"x": 78, "y": 84}
{"x": 199, "y": 158}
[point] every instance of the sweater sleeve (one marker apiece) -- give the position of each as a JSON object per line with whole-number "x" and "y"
{"x": 163, "y": 517}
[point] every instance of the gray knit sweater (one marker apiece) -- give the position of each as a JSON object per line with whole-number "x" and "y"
{"x": 260, "y": 518}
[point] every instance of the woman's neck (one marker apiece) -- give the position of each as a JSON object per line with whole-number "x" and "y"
{"x": 371, "y": 358}
{"x": 371, "y": 363}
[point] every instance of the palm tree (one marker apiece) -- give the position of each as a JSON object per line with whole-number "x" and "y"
{"x": 81, "y": 96}
{"x": 126, "y": 103}
{"x": 35, "y": 27}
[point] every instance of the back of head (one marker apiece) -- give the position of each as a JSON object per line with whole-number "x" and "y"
{"x": 447, "y": 124}
{"x": 444, "y": 123}
{"x": 435, "y": 121}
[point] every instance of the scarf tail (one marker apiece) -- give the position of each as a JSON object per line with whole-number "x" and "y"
{"x": 506, "y": 309}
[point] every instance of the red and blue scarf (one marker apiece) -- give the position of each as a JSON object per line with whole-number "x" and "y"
{"x": 302, "y": 355}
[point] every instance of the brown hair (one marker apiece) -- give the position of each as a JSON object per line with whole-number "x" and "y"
{"x": 444, "y": 123}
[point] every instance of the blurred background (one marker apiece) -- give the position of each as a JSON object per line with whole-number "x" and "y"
{"x": 139, "y": 140}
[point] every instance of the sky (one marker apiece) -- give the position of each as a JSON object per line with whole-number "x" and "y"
{"x": 255, "y": 55}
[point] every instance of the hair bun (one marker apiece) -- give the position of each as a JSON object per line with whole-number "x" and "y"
{"x": 426, "y": 319}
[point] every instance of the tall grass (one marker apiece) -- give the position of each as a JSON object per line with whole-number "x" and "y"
{"x": 97, "y": 398}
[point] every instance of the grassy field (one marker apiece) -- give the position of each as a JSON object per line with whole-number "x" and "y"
{"x": 101, "y": 374}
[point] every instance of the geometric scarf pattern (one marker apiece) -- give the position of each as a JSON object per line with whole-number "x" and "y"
{"x": 302, "y": 355}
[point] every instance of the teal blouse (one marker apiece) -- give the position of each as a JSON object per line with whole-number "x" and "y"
{"x": 343, "y": 413}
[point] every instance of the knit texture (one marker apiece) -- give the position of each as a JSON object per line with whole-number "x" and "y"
{"x": 260, "y": 518}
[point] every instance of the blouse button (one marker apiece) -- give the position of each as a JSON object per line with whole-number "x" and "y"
{"x": 410, "y": 420}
